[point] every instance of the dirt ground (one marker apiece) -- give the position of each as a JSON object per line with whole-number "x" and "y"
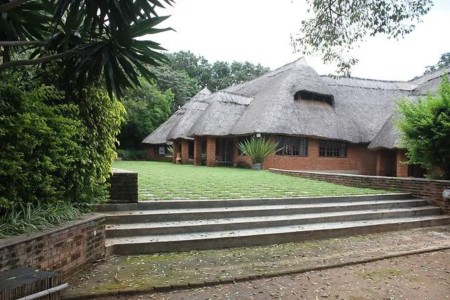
{"x": 423, "y": 276}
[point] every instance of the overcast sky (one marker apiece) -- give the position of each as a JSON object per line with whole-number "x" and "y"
{"x": 259, "y": 31}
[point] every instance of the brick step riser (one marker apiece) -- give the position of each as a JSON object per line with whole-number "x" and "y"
{"x": 154, "y": 205}
{"x": 186, "y": 216}
{"x": 113, "y": 233}
{"x": 230, "y": 242}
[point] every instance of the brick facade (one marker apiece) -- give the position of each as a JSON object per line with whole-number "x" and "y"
{"x": 65, "y": 248}
{"x": 418, "y": 187}
{"x": 123, "y": 186}
{"x": 359, "y": 160}
{"x": 210, "y": 151}
{"x": 184, "y": 151}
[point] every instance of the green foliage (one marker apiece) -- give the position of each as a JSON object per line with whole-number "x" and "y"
{"x": 444, "y": 62}
{"x": 147, "y": 108}
{"x": 33, "y": 138}
{"x": 91, "y": 39}
{"x": 339, "y": 26}
{"x": 131, "y": 154}
{"x": 169, "y": 151}
{"x": 182, "y": 86}
{"x": 187, "y": 74}
{"x": 425, "y": 130}
{"x": 32, "y": 217}
{"x": 53, "y": 149}
{"x": 257, "y": 149}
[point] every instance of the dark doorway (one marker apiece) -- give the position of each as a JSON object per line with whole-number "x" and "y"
{"x": 224, "y": 150}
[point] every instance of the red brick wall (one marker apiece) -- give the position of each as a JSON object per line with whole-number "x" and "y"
{"x": 198, "y": 151}
{"x": 63, "y": 249}
{"x": 184, "y": 151}
{"x": 402, "y": 166}
{"x": 359, "y": 160}
{"x": 418, "y": 187}
{"x": 210, "y": 151}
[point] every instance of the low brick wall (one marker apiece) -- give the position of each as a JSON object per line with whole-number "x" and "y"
{"x": 418, "y": 187}
{"x": 65, "y": 248}
{"x": 123, "y": 186}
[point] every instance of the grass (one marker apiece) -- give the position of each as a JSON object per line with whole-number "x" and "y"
{"x": 33, "y": 217}
{"x": 166, "y": 181}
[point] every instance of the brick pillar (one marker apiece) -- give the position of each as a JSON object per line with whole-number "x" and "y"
{"x": 176, "y": 150}
{"x": 197, "y": 151}
{"x": 210, "y": 151}
{"x": 313, "y": 148}
{"x": 151, "y": 152}
{"x": 184, "y": 151}
{"x": 379, "y": 171}
{"x": 402, "y": 166}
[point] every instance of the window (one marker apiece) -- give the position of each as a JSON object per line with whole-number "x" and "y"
{"x": 332, "y": 149}
{"x": 305, "y": 95}
{"x": 295, "y": 146}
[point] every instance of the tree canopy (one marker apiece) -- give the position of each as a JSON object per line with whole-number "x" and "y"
{"x": 186, "y": 74}
{"x": 91, "y": 39}
{"x": 444, "y": 62}
{"x": 337, "y": 27}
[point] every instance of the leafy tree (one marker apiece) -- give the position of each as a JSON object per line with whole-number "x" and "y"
{"x": 92, "y": 39}
{"x": 196, "y": 67}
{"x": 444, "y": 62}
{"x": 147, "y": 108}
{"x": 182, "y": 86}
{"x": 339, "y": 26}
{"x": 425, "y": 130}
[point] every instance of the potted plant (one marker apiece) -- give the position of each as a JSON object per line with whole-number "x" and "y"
{"x": 257, "y": 149}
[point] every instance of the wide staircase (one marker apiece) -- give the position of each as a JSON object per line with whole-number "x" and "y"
{"x": 168, "y": 226}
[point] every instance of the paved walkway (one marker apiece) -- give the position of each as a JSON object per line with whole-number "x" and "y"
{"x": 172, "y": 271}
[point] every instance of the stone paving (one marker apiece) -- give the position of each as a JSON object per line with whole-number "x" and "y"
{"x": 171, "y": 271}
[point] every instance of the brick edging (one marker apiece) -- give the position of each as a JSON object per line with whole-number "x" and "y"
{"x": 26, "y": 237}
{"x": 208, "y": 283}
{"x": 429, "y": 189}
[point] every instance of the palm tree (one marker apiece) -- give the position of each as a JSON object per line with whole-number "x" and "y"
{"x": 91, "y": 39}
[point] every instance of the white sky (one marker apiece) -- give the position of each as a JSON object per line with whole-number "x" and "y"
{"x": 259, "y": 31}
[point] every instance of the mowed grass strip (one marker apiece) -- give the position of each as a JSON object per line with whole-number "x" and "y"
{"x": 167, "y": 181}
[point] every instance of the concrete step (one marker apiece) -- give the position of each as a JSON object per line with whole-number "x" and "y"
{"x": 183, "y": 214}
{"x": 210, "y": 225}
{"x": 177, "y": 204}
{"x": 165, "y": 226}
{"x": 263, "y": 236}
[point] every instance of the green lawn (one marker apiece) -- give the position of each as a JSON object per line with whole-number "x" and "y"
{"x": 162, "y": 180}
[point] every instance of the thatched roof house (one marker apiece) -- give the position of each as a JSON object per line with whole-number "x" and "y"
{"x": 322, "y": 123}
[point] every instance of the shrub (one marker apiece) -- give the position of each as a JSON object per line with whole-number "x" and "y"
{"x": 131, "y": 154}
{"x": 425, "y": 130}
{"x": 54, "y": 149}
{"x": 257, "y": 149}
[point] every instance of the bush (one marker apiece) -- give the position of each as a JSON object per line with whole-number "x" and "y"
{"x": 425, "y": 130}
{"x": 132, "y": 154}
{"x": 54, "y": 149}
{"x": 257, "y": 149}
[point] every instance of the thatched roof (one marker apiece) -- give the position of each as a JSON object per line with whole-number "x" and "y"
{"x": 358, "y": 110}
{"x": 221, "y": 115}
{"x": 388, "y": 136}
{"x": 173, "y": 125}
{"x": 356, "y": 116}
